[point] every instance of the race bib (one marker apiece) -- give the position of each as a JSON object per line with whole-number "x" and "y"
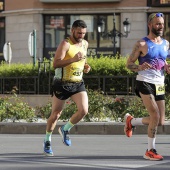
{"x": 160, "y": 89}
{"x": 76, "y": 74}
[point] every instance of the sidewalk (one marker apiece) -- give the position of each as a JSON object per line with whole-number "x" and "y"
{"x": 103, "y": 128}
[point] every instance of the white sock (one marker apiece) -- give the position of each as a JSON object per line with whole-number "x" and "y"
{"x": 136, "y": 121}
{"x": 151, "y": 143}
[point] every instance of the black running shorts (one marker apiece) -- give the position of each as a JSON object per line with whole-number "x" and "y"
{"x": 64, "y": 90}
{"x": 147, "y": 88}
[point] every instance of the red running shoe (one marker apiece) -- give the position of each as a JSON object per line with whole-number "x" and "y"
{"x": 128, "y": 126}
{"x": 152, "y": 155}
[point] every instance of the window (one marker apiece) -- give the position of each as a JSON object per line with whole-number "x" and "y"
{"x": 108, "y": 32}
{"x": 158, "y": 3}
{"x": 57, "y": 28}
{"x": 2, "y": 37}
{"x": 54, "y": 30}
{"x": 164, "y": 1}
{"x": 1, "y": 5}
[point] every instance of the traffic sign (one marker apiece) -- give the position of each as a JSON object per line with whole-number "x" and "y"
{"x": 7, "y": 52}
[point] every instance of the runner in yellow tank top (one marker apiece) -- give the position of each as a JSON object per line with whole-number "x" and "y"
{"x": 74, "y": 71}
{"x": 70, "y": 63}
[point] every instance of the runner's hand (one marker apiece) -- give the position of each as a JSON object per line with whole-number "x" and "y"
{"x": 79, "y": 56}
{"x": 86, "y": 68}
{"x": 144, "y": 66}
{"x": 167, "y": 68}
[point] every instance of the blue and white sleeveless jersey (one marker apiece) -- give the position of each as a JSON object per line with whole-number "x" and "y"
{"x": 156, "y": 56}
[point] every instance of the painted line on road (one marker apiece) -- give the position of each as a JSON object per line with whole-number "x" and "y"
{"x": 101, "y": 166}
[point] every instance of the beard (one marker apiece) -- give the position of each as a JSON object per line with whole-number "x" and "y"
{"x": 157, "y": 32}
{"x": 77, "y": 39}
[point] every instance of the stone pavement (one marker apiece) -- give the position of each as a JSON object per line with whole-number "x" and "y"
{"x": 103, "y": 128}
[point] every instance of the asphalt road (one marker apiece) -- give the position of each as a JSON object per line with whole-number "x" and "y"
{"x": 91, "y": 152}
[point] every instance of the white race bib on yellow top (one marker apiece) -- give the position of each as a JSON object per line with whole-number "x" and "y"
{"x": 160, "y": 89}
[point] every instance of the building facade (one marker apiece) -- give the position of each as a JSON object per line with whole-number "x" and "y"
{"x": 52, "y": 20}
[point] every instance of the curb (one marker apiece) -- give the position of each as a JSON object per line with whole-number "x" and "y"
{"x": 103, "y": 128}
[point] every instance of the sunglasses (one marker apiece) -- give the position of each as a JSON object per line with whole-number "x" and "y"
{"x": 155, "y": 15}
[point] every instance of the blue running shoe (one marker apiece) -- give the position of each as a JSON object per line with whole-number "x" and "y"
{"x": 64, "y": 135}
{"x": 47, "y": 148}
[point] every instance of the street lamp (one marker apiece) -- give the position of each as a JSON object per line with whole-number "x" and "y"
{"x": 114, "y": 33}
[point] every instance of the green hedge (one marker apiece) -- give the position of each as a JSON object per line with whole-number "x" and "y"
{"x": 100, "y": 66}
{"x": 103, "y": 66}
{"x": 108, "y": 66}
{"x": 101, "y": 106}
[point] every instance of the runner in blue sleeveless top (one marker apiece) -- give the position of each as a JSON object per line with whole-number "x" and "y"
{"x": 151, "y": 53}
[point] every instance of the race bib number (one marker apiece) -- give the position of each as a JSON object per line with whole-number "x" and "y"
{"x": 76, "y": 74}
{"x": 160, "y": 89}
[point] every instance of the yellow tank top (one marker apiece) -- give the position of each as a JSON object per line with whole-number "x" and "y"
{"x": 74, "y": 71}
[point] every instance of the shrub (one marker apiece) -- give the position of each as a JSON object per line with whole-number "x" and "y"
{"x": 98, "y": 110}
{"x": 118, "y": 107}
{"x": 3, "y": 108}
{"x": 17, "y": 110}
{"x": 136, "y": 107}
{"x": 101, "y": 108}
{"x": 108, "y": 66}
{"x": 18, "y": 70}
{"x": 105, "y": 65}
{"x": 167, "y": 106}
{"x": 44, "y": 111}
{"x": 14, "y": 108}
